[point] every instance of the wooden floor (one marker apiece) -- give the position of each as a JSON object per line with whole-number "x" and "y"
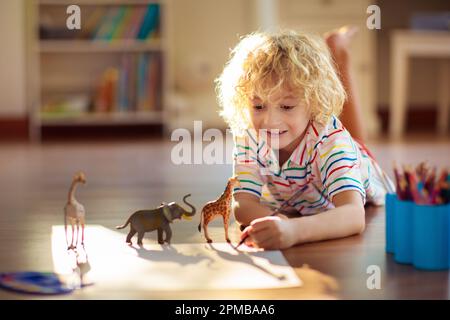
{"x": 126, "y": 176}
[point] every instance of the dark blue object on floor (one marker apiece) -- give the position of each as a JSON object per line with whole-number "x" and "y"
{"x": 34, "y": 283}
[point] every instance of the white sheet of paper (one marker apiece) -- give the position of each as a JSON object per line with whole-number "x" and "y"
{"x": 189, "y": 266}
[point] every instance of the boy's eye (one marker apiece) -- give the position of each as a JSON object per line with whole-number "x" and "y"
{"x": 258, "y": 107}
{"x": 287, "y": 107}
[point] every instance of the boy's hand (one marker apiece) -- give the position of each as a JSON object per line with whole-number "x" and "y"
{"x": 273, "y": 232}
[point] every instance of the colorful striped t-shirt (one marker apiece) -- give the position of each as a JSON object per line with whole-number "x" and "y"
{"x": 326, "y": 162}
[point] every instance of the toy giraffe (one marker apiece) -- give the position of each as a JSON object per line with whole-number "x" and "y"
{"x": 221, "y": 206}
{"x": 74, "y": 211}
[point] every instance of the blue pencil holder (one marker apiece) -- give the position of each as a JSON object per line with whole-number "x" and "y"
{"x": 431, "y": 237}
{"x": 403, "y": 233}
{"x": 418, "y": 234}
{"x": 390, "y": 211}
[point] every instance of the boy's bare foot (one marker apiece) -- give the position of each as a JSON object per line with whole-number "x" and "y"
{"x": 339, "y": 41}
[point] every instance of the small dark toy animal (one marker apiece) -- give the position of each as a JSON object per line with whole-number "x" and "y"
{"x": 143, "y": 221}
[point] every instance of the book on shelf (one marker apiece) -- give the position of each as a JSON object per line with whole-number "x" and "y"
{"x": 93, "y": 23}
{"x": 132, "y": 28}
{"x": 142, "y": 79}
{"x": 115, "y": 22}
{"x": 149, "y": 23}
{"x": 118, "y": 32}
{"x": 105, "y": 22}
{"x": 105, "y": 97}
{"x": 123, "y": 103}
{"x": 153, "y": 83}
{"x": 72, "y": 104}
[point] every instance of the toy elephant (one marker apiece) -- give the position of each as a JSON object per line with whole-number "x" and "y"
{"x": 143, "y": 221}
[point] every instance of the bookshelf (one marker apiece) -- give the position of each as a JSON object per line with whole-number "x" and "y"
{"x": 115, "y": 71}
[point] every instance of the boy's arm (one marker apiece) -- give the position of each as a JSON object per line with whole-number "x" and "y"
{"x": 348, "y": 218}
{"x": 246, "y": 208}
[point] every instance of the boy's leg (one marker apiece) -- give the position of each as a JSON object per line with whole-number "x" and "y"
{"x": 338, "y": 42}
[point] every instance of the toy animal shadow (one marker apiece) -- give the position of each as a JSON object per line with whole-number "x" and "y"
{"x": 81, "y": 265}
{"x": 159, "y": 219}
{"x": 182, "y": 259}
{"x": 245, "y": 257}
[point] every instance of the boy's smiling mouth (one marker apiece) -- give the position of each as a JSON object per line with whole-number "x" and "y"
{"x": 276, "y": 132}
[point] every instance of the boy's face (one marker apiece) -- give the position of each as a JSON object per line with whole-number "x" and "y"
{"x": 284, "y": 115}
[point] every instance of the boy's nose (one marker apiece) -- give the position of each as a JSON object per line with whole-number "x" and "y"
{"x": 271, "y": 119}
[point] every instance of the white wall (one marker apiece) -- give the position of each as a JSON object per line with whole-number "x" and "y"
{"x": 12, "y": 59}
{"x": 204, "y": 31}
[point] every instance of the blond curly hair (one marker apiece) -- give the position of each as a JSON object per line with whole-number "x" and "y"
{"x": 262, "y": 63}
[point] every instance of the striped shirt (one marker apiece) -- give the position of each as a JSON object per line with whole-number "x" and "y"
{"x": 326, "y": 162}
